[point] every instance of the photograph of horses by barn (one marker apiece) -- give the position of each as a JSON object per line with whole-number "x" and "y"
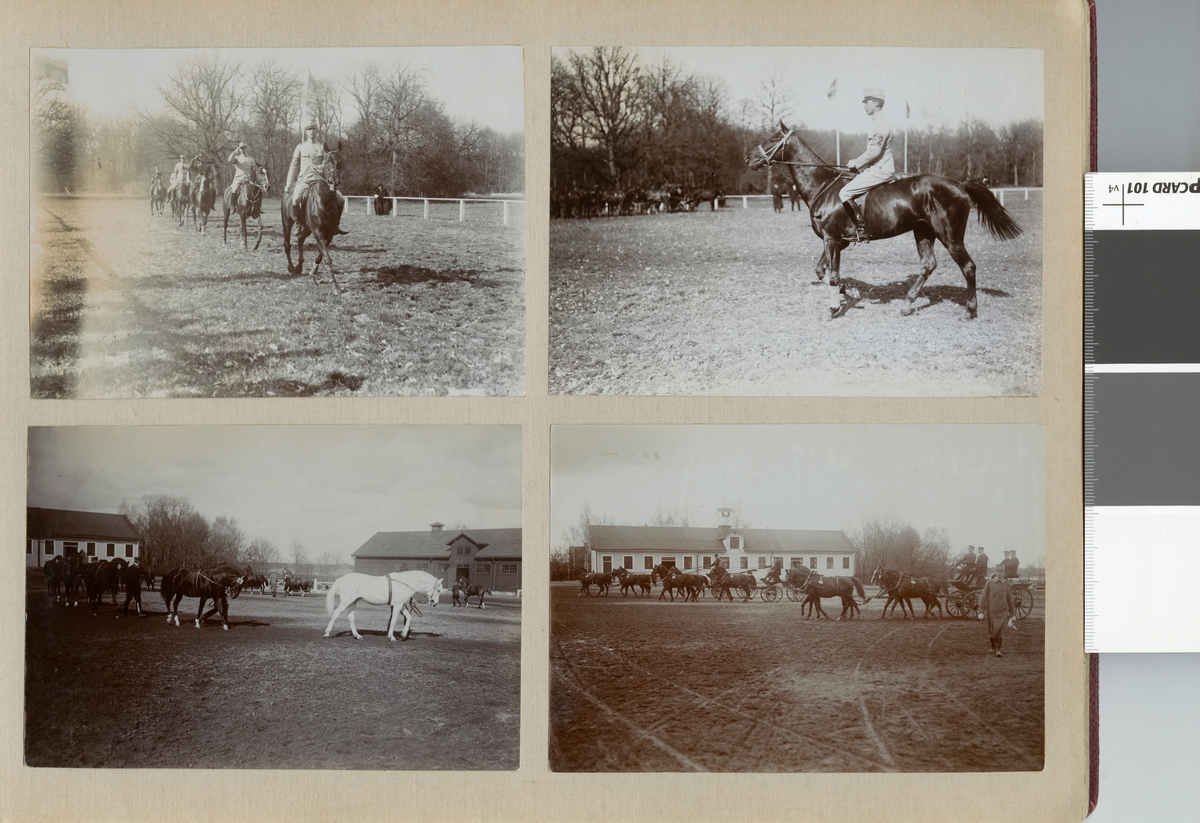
{"x": 277, "y": 222}
{"x": 796, "y": 221}
{"x": 286, "y": 595}
{"x": 797, "y": 598}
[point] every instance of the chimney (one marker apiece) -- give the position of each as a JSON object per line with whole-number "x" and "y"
{"x": 437, "y": 527}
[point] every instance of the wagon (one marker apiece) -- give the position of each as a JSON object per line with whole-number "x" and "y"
{"x": 964, "y": 601}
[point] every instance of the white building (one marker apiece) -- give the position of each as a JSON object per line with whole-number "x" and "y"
{"x": 53, "y": 533}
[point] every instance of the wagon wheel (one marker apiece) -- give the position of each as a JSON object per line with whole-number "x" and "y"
{"x": 971, "y": 601}
{"x": 794, "y": 594}
{"x": 770, "y": 594}
{"x": 956, "y": 606}
{"x": 1023, "y": 600}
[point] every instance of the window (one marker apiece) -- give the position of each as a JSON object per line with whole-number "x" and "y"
{"x": 797, "y": 562}
{"x": 829, "y": 562}
{"x": 607, "y": 560}
{"x": 812, "y": 562}
{"x": 129, "y": 550}
{"x": 724, "y": 561}
{"x": 669, "y": 562}
{"x": 745, "y": 562}
{"x": 91, "y": 550}
{"x": 687, "y": 562}
{"x": 464, "y": 551}
{"x": 112, "y": 549}
{"x": 845, "y": 562}
{"x": 403, "y": 567}
{"x": 485, "y": 568}
{"x": 49, "y": 547}
{"x": 648, "y": 562}
{"x": 762, "y": 562}
{"x": 508, "y": 568}
{"x": 707, "y": 562}
{"x": 735, "y": 542}
{"x": 443, "y": 567}
{"x": 628, "y": 562}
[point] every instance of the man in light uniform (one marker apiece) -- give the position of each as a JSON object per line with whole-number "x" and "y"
{"x": 179, "y": 175}
{"x": 301, "y": 172}
{"x": 873, "y": 167}
{"x": 244, "y": 168}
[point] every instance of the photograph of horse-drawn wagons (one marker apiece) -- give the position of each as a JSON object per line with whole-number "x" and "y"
{"x": 277, "y": 222}
{"x": 198, "y": 584}
{"x": 797, "y": 598}
{"x": 908, "y": 261}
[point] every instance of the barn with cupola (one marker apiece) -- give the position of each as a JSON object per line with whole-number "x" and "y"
{"x": 641, "y": 548}
{"x": 51, "y": 533}
{"x": 488, "y": 557}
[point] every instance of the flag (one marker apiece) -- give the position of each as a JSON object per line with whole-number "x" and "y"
{"x": 832, "y": 89}
{"x": 907, "y": 110}
{"x": 310, "y": 91}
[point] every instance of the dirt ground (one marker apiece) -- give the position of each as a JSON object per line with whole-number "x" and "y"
{"x": 124, "y": 304}
{"x": 272, "y": 692}
{"x": 726, "y": 303}
{"x": 642, "y": 686}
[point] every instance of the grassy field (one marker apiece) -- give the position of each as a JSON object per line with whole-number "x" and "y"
{"x": 726, "y": 303}
{"x": 128, "y": 305}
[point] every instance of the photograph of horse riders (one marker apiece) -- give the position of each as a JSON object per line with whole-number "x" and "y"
{"x": 792, "y": 598}
{"x": 281, "y": 593}
{"x": 368, "y": 207}
{"x": 909, "y": 263}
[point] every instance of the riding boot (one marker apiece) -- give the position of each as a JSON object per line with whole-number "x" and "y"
{"x": 856, "y": 217}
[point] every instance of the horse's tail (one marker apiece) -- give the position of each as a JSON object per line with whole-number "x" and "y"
{"x": 992, "y": 215}
{"x": 858, "y": 587}
{"x": 329, "y": 597}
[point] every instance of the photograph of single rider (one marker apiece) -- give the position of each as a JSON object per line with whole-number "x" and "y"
{"x": 873, "y": 167}
{"x": 178, "y": 175}
{"x": 243, "y": 165}
{"x": 302, "y": 171}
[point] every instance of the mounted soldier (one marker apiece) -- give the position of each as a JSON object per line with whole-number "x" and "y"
{"x": 244, "y": 166}
{"x": 873, "y": 167}
{"x": 302, "y": 171}
{"x": 179, "y": 175}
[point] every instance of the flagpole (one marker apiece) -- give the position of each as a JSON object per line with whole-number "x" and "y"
{"x": 906, "y": 112}
{"x": 836, "y": 131}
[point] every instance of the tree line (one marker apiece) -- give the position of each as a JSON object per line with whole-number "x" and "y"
{"x": 619, "y": 122}
{"x": 175, "y": 534}
{"x": 394, "y": 132}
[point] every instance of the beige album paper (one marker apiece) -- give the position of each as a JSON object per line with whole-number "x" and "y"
{"x": 543, "y": 410}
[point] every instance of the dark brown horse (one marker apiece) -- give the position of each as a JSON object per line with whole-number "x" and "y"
{"x": 248, "y": 205}
{"x": 723, "y": 581}
{"x": 181, "y": 201}
{"x": 132, "y": 578}
{"x": 475, "y": 590}
{"x": 819, "y": 586}
{"x": 931, "y": 207}
{"x": 318, "y": 213}
{"x": 901, "y": 588}
{"x": 100, "y": 577}
{"x": 600, "y": 579}
{"x": 203, "y": 196}
{"x": 158, "y": 197}
{"x": 634, "y": 582}
{"x": 218, "y": 583}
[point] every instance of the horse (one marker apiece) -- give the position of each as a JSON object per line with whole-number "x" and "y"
{"x": 54, "y": 572}
{"x": 218, "y": 583}
{"x": 383, "y": 203}
{"x": 633, "y": 582}
{"x": 901, "y": 588}
{"x": 395, "y": 589}
{"x": 255, "y": 580}
{"x": 296, "y": 584}
{"x": 181, "y": 199}
{"x": 723, "y": 581}
{"x": 132, "y": 577}
{"x": 600, "y": 579}
{"x": 71, "y": 573}
{"x": 673, "y": 580}
{"x": 476, "y": 591}
{"x": 101, "y": 577}
{"x": 929, "y": 206}
{"x": 204, "y": 197}
{"x": 248, "y": 205}
{"x": 158, "y": 197}
{"x": 317, "y": 214}
{"x": 842, "y": 587}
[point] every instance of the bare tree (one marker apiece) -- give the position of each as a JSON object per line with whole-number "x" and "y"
{"x": 273, "y": 106}
{"x": 205, "y": 97}
{"x": 299, "y": 557}
{"x": 606, "y": 82}
{"x": 774, "y": 106}
{"x": 60, "y": 130}
{"x": 173, "y": 532}
{"x": 225, "y": 540}
{"x": 261, "y": 553}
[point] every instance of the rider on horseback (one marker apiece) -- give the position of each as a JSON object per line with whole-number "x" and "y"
{"x": 873, "y": 167}
{"x": 303, "y": 170}
{"x": 179, "y": 175}
{"x": 156, "y": 178}
{"x": 244, "y": 169}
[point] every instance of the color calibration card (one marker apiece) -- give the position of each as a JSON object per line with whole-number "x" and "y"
{"x": 1142, "y": 412}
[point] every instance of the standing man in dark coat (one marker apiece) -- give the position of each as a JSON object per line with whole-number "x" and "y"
{"x": 996, "y": 607}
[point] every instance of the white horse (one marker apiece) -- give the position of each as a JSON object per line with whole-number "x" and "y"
{"x": 396, "y": 589}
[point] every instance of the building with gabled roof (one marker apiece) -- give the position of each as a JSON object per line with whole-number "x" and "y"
{"x": 641, "y": 548}
{"x": 488, "y": 557}
{"x": 53, "y": 533}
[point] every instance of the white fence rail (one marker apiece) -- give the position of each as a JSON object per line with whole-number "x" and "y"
{"x": 369, "y": 200}
{"x": 999, "y": 192}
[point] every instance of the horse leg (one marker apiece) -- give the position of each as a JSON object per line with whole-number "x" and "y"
{"x": 924, "y": 237}
{"x": 224, "y": 613}
{"x": 959, "y": 254}
{"x": 225, "y": 225}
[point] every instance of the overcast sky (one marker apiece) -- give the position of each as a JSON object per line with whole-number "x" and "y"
{"x": 329, "y": 486}
{"x": 985, "y": 485}
{"x": 480, "y": 83}
{"x": 941, "y": 85}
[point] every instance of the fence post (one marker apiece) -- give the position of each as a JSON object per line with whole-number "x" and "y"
{"x": 426, "y": 208}
{"x": 395, "y": 206}
{"x": 462, "y": 210}
{"x": 745, "y": 202}
{"x": 370, "y": 204}
{"x": 1001, "y": 198}
{"x": 1026, "y": 194}
{"x": 506, "y": 212}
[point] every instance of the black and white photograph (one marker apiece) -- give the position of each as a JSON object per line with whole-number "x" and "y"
{"x": 866, "y": 598}
{"x": 285, "y": 597}
{"x": 796, "y": 221}
{"x": 277, "y": 222}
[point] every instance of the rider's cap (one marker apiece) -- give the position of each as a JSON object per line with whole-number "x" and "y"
{"x": 876, "y": 93}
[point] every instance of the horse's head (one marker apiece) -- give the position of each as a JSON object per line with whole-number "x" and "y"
{"x": 434, "y": 592}
{"x": 772, "y": 150}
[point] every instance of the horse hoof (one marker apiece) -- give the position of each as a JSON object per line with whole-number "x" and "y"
{"x": 391, "y": 638}
{"x": 223, "y": 626}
